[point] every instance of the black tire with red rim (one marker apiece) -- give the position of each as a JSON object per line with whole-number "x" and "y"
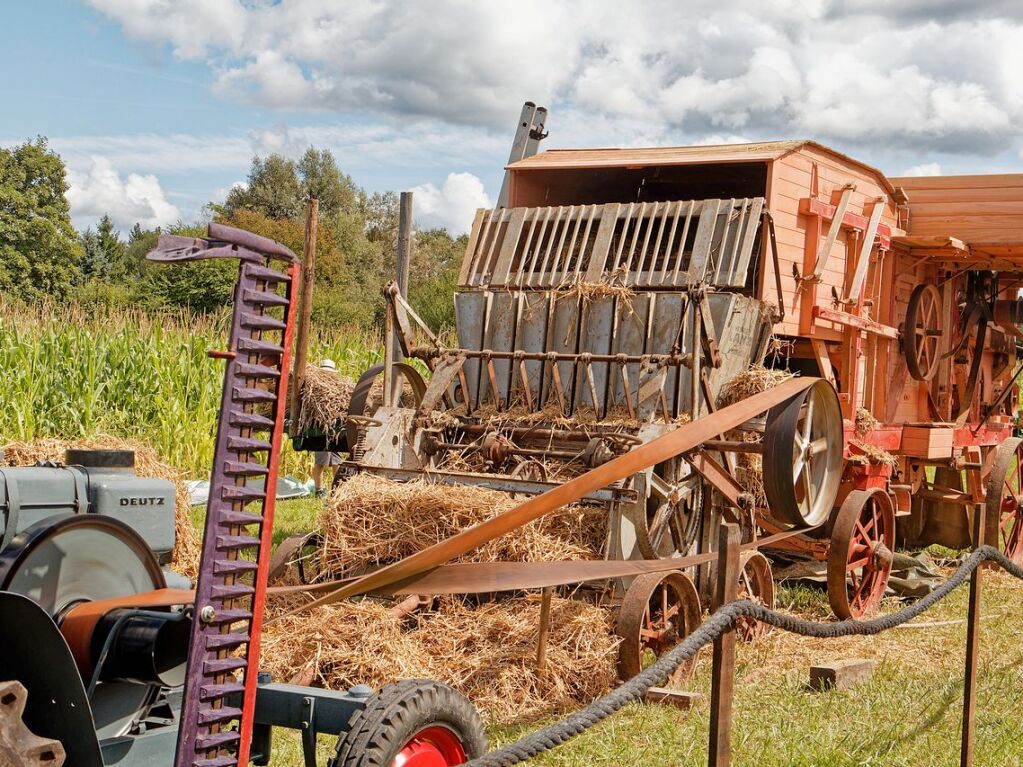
{"x": 413, "y": 723}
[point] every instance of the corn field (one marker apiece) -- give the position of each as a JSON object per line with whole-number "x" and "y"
{"x": 72, "y": 373}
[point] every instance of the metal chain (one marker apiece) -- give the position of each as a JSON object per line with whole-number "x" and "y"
{"x": 722, "y": 620}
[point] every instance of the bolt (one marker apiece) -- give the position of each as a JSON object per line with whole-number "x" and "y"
{"x": 207, "y": 614}
{"x": 361, "y": 691}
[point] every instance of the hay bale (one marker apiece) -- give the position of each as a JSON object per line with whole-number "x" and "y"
{"x": 372, "y": 521}
{"x": 185, "y": 557}
{"x": 486, "y": 651}
{"x": 325, "y": 397}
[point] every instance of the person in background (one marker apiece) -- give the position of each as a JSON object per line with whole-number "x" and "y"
{"x": 323, "y": 458}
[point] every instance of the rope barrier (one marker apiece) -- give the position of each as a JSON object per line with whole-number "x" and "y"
{"x": 722, "y": 620}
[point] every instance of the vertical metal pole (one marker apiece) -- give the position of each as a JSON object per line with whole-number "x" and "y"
{"x": 972, "y": 645}
{"x": 305, "y": 307}
{"x": 696, "y": 355}
{"x": 545, "y": 628}
{"x": 723, "y": 673}
{"x": 402, "y": 261}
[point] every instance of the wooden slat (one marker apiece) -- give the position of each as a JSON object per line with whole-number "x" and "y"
{"x": 753, "y": 223}
{"x": 508, "y": 247}
{"x": 866, "y": 248}
{"x": 704, "y": 237}
{"x": 470, "y": 248}
{"x": 602, "y": 243}
{"x": 824, "y": 252}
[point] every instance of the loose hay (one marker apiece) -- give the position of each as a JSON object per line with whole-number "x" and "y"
{"x": 749, "y": 469}
{"x": 371, "y": 521}
{"x": 185, "y": 557}
{"x": 487, "y": 652}
{"x": 325, "y": 398}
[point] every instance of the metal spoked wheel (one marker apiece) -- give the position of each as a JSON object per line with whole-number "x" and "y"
{"x": 922, "y": 332}
{"x": 63, "y": 561}
{"x": 657, "y": 613}
{"x": 299, "y": 552}
{"x": 860, "y": 555}
{"x": 1004, "y": 499}
{"x": 756, "y": 583}
{"x": 803, "y": 456}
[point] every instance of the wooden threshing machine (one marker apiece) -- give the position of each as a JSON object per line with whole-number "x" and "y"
{"x": 615, "y": 296}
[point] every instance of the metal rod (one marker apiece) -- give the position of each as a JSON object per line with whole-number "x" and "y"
{"x": 723, "y": 673}
{"x": 655, "y": 360}
{"x": 545, "y": 628}
{"x": 403, "y": 257}
{"x": 305, "y": 307}
{"x": 972, "y": 645}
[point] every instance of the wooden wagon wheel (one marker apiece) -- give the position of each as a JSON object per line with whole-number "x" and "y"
{"x": 860, "y": 554}
{"x": 1004, "y": 499}
{"x": 922, "y": 332}
{"x": 657, "y": 612}
{"x": 803, "y": 456}
{"x": 756, "y": 583}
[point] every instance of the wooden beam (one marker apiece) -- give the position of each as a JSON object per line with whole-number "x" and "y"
{"x": 851, "y": 320}
{"x": 811, "y": 206}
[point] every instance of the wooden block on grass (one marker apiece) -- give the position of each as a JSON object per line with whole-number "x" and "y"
{"x": 841, "y": 674}
{"x": 677, "y": 698}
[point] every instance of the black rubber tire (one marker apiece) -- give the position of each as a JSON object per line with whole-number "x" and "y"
{"x": 397, "y": 712}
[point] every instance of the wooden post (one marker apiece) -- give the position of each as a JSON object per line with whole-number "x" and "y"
{"x": 723, "y": 673}
{"x": 305, "y": 307}
{"x": 545, "y": 628}
{"x": 972, "y": 645}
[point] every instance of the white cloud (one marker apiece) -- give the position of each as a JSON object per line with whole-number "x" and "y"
{"x": 941, "y": 75}
{"x": 99, "y": 189}
{"x": 924, "y": 169}
{"x": 451, "y": 207}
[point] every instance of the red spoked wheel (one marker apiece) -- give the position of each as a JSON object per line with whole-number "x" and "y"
{"x": 1004, "y": 500}
{"x": 415, "y": 723}
{"x": 657, "y": 612}
{"x": 922, "y": 332}
{"x": 860, "y": 555}
{"x": 756, "y": 583}
{"x": 434, "y": 746}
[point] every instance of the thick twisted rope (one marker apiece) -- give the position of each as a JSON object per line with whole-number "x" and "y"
{"x": 722, "y": 620}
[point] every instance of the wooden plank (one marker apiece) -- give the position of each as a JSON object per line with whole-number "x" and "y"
{"x": 704, "y": 236}
{"x": 598, "y": 258}
{"x": 867, "y": 247}
{"x": 508, "y": 247}
{"x": 739, "y": 271}
{"x": 470, "y": 248}
{"x": 979, "y": 181}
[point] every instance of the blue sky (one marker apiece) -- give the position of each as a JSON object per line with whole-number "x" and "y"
{"x": 157, "y": 106}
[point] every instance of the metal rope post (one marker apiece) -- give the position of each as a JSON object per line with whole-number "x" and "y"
{"x": 723, "y": 674}
{"x": 972, "y": 644}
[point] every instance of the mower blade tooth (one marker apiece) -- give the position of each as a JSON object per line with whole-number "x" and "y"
{"x": 247, "y": 444}
{"x": 244, "y": 468}
{"x": 252, "y": 394}
{"x": 232, "y": 591}
{"x": 216, "y": 691}
{"x": 216, "y": 740}
{"x": 218, "y": 715}
{"x": 261, "y": 322}
{"x": 243, "y": 420}
{"x": 234, "y": 542}
{"x": 232, "y": 517}
{"x": 220, "y": 761}
{"x": 226, "y": 641}
{"x": 247, "y": 370}
{"x": 234, "y": 566}
{"x": 257, "y": 346}
{"x": 222, "y": 665}
{"x": 264, "y": 298}
{"x": 265, "y": 273}
{"x": 243, "y": 493}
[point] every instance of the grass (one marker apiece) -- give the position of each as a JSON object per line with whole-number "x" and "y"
{"x": 907, "y": 715}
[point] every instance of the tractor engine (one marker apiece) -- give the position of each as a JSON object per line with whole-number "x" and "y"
{"x": 89, "y": 482}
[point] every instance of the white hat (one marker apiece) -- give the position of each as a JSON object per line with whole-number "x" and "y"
{"x": 328, "y": 364}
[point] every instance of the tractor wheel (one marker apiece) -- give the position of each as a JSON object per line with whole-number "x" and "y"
{"x": 415, "y": 723}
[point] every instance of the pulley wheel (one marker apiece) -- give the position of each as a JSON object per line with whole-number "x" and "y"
{"x": 861, "y": 552}
{"x": 803, "y": 446}
{"x": 658, "y": 611}
{"x": 922, "y": 332}
{"x": 1004, "y": 500}
{"x": 756, "y": 583}
{"x": 65, "y": 560}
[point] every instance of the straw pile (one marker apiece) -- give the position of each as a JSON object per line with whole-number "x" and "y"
{"x": 487, "y": 652}
{"x": 185, "y": 558}
{"x": 325, "y": 397}
{"x": 749, "y": 468}
{"x": 371, "y": 521}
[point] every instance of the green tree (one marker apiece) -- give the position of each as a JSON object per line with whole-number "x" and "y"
{"x": 39, "y": 249}
{"x": 273, "y": 188}
{"x": 93, "y": 262}
{"x": 322, "y": 179}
